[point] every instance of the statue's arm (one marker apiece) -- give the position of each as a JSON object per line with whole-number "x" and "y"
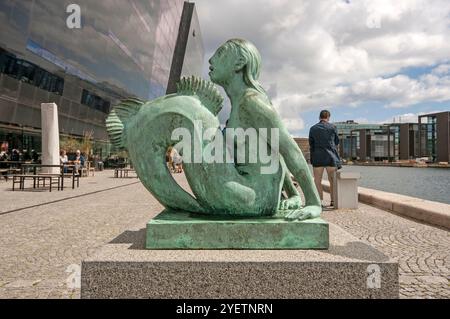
{"x": 296, "y": 163}
{"x": 293, "y": 200}
{"x": 264, "y": 116}
{"x": 289, "y": 186}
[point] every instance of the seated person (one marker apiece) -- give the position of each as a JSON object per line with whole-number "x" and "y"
{"x": 177, "y": 161}
{"x": 63, "y": 160}
{"x": 79, "y": 161}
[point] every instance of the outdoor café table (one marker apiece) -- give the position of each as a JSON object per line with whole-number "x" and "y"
{"x": 61, "y": 175}
{"x": 12, "y": 164}
{"x": 122, "y": 172}
{"x": 73, "y": 174}
{"x": 11, "y": 167}
{"x": 20, "y": 179}
{"x": 3, "y": 173}
{"x": 37, "y": 177}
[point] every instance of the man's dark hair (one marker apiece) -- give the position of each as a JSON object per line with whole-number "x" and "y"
{"x": 324, "y": 114}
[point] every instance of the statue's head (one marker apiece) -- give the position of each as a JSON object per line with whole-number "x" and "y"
{"x": 236, "y": 56}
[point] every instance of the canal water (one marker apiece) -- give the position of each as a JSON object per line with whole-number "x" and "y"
{"x": 426, "y": 183}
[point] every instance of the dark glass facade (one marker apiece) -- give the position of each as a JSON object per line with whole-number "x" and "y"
{"x": 349, "y": 133}
{"x": 429, "y": 139}
{"x": 193, "y": 59}
{"x": 123, "y": 49}
{"x": 434, "y": 136}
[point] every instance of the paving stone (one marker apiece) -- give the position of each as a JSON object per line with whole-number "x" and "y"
{"x": 419, "y": 248}
{"x": 432, "y": 279}
{"x": 407, "y": 280}
{"x": 21, "y": 283}
{"x": 39, "y": 243}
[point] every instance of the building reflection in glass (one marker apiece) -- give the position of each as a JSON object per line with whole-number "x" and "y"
{"x": 123, "y": 49}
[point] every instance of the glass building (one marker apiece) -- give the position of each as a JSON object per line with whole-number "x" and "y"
{"x": 430, "y": 138}
{"x": 349, "y": 138}
{"x": 122, "y": 49}
{"x": 434, "y": 136}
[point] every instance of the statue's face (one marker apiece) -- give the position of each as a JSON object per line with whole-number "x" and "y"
{"x": 222, "y": 65}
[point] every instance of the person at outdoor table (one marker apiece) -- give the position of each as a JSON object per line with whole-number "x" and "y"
{"x": 4, "y": 156}
{"x": 15, "y": 156}
{"x": 26, "y": 156}
{"x": 79, "y": 161}
{"x": 63, "y": 157}
{"x": 35, "y": 156}
{"x": 63, "y": 160}
{"x": 177, "y": 161}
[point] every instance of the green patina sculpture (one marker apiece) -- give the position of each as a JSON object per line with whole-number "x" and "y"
{"x": 233, "y": 189}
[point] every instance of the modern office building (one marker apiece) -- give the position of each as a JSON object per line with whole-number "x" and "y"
{"x": 349, "y": 135}
{"x": 430, "y": 138}
{"x": 434, "y": 136}
{"x": 134, "y": 48}
{"x": 408, "y": 140}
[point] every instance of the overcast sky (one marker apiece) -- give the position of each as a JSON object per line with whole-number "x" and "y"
{"x": 366, "y": 60}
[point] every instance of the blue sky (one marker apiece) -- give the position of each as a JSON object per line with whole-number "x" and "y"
{"x": 366, "y": 60}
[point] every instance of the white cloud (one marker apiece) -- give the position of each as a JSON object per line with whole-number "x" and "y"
{"x": 404, "y": 118}
{"x": 329, "y": 53}
{"x": 395, "y": 92}
{"x": 361, "y": 120}
{"x": 442, "y": 69}
{"x": 407, "y": 117}
{"x": 294, "y": 124}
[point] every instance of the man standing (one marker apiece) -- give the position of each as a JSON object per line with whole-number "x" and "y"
{"x": 323, "y": 141}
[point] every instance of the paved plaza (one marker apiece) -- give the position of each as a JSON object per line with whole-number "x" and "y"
{"x": 422, "y": 251}
{"x": 45, "y": 236}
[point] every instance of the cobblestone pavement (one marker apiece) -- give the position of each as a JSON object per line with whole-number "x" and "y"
{"x": 44, "y": 236}
{"x": 422, "y": 251}
{"x": 42, "y": 246}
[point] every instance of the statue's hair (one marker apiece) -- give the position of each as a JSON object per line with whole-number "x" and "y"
{"x": 250, "y": 54}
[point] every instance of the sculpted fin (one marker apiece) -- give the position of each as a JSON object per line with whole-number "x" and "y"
{"x": 117, "y": 118}
{"x": 206, "y": 91}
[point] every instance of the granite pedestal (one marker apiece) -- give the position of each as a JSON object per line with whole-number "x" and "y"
{"x": 181, "y": 230}
{"x": 349, "y": 268}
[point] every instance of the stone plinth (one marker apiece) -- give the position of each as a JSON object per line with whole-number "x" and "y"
{"x": 346, "y": 190}
{"x": 348, "y": 269}
{"x": 178, "y": 230}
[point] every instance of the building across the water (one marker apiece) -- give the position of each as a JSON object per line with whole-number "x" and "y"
{"x": 349, "y": 135}
{"x": 430, "y": 139}
{"x": 434, "y": 136}
{"x": 135, "y": 48}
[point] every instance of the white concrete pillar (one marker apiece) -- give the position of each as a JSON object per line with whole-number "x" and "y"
{"x": 50, "y": 137}
{"x": 346, "y": 190}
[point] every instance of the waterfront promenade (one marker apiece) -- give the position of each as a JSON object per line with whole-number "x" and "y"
{"x": 44, "y": 234}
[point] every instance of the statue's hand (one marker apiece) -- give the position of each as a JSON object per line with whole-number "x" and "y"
{"x": 308, "y": 212}
{"x": 295, "y": 202}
